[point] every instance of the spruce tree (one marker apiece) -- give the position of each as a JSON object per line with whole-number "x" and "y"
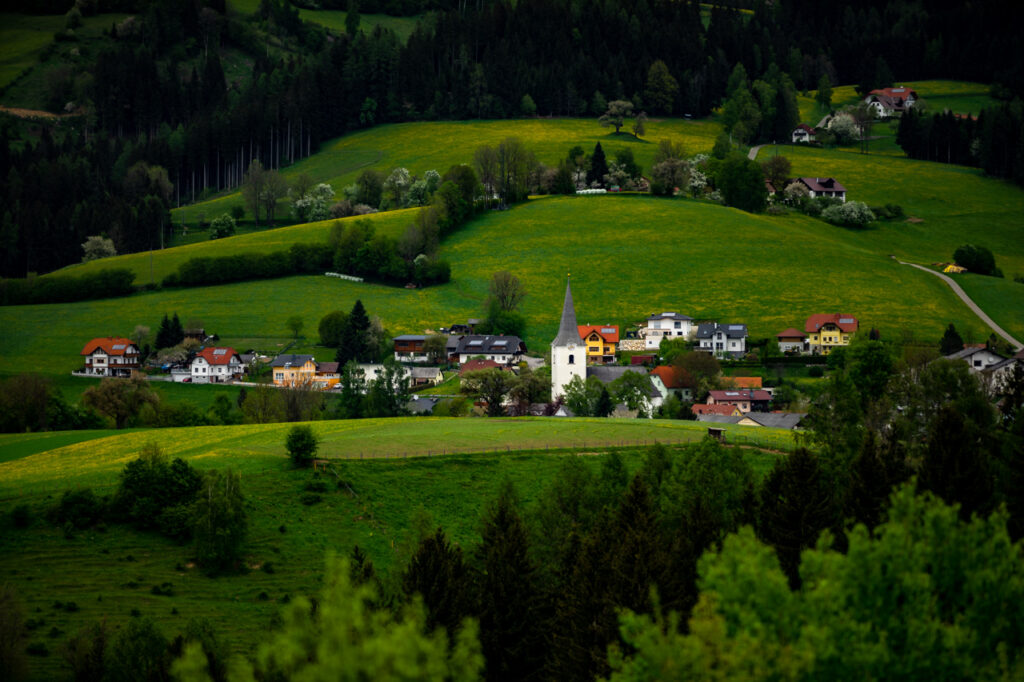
{"x": 163, "y": 333}
{"x": 176, "y": 333}
{"x": 354, "y": 344}
{"x": 951, "y": 342}
{"x": 598, "y": 166}
{"x": 509, "y": 597}
{"x": 956, "y": 463}
{"x": 796, "y": 506}
{"x": 603, "y": 406}
{"x": 438, "y": 573}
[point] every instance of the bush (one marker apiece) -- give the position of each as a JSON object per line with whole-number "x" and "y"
{"x": 850, "y": 214}
{"x": 78, "y": 509}
{"x": 176, "y": 522}
{"x": 220, "y": 524}
{"x": 152, "y": 490}
{"x": 302, "y": 445}
{"x": 977, "y": 259}
{"x": 222, "y": 226}
{"x": 816, "y": 372}
{"x": 309, "y": 499}
{"x": 237, "y": 212}
{"x": 106, "y": 283}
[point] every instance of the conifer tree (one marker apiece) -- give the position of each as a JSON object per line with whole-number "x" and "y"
{"x": 354, "y": 344}
{"x": 163, "y": 333}
{"x": 951, "y": 342}
{"x": 176, "y": 333}
{"x": 956, "y": 463}
{"x": 438, "y": 573}
{"x": 598, "y": 166}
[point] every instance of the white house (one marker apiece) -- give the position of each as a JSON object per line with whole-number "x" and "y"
{"x": 824, "y": 187}
{"x": 722, "y": 339}
{"x": 978, "y": 358}
{"x": 504, "y": 349}
{"x": 666, "y": 325}
{"x": 110, "y": 357}
{"x": 803, "y": 133}
{"x": 888, "y": 102}
{"x": 213, "y": 365}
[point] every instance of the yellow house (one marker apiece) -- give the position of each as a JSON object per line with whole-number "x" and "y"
{"x": 601, "y": 342}
{"x": 827, "y": 331}
{"x": 294, "y": 370}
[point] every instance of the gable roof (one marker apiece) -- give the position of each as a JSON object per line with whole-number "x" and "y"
{"x": 804, "y": 126}
{"x": 848, "y": 323}
{"x": 778, "y": 420}
{"x": 822, "y": 184}
{"x": 668, "y": 316}
{"x": 327, "y": 367}
{"x": 111, "y": 345}
{"x": 733, "y": 331}
{"x": 410, "y": 337}
{"x": 609, "y": 373}
{"x": 968, "y": 351}
{"x": 719, "y": 418}
{"x": 218, "y": 356}
{"x": 673, "y": 377}
{"x": 722, "y": 410}
{"x": 742, "y": 382}
{"x": 292, "y": 360}
{"x": 476, "y": 365}
{"x": 479, "y": 344}
{"x": 608, "y": 332}
{"x": 901, "y": 94}
{"x": 791, "y": 333}
{"x": 429, "y": 372}
{"x": 729, "y": 396}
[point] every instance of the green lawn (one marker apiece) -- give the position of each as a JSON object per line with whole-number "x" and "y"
{"x": 109, "y": 573}
{"x": 438, "y": 146}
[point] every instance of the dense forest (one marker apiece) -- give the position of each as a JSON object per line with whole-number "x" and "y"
{"x": 161, "y": 123}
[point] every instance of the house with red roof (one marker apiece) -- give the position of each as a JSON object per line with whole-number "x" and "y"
{"x": 742, "y": 382}
{"x": 746, "y": 400}
{"x": 792, "y": 340}
{"x": 601, "y": 342}
{"x": 888, "y": 102}
{"x": 214, "y": 365}
{"x": 803, "y": 133}
{"x": 722, "y": 410}
{"x": 111, "y": 356}
{"x": 677, "y": 381}
{"x": 477, "y": 364}
{"x": 829, "y": 330}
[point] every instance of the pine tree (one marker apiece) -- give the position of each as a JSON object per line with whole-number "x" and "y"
{"x": 604, "y": 405}
{"x": 163, "y": 334}
{"x": 956, "y": 463}
{"x": 353, "y": 338}
{"x": 951, "y": 342}
{"x": 509, "y": 597}
{"x": 176, "y": 333}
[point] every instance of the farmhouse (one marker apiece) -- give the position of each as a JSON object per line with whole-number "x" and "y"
{"x": 502, "y": 349}
{"x": 792, "y": 341}
{"x": 824, "y": 187}
{"x": 665, "y": 325}
{"x": 600, "y": 341}
{"x": 722, "y": 339}
{"x": 677, "y": 381}
{"x": 213, "y": 365}
{"x": 803, "y": 133}
{"x": 746, "y": 400}
{"x": 826, "y": 331}
{"x": 888, "y": 102}
{"x": 425, "y": 376}
{"x": 410, "y": 348}
{"x": 111, "y": 356}
{"x": 978, "y": 357}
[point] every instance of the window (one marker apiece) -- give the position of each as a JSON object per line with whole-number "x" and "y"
{"x": 572, "y": 359}
{"x": 678, "y": 325}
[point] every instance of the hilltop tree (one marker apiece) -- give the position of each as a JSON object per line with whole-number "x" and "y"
{"x": 618, "y": 111}
{"x": 742, "y": 183}
{"x": 253, "y": 186}
{"x": 119, "y": 399}
{"x": 220, "y": 521}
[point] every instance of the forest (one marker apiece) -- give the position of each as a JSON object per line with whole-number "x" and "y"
{"x": 160, "y": 123}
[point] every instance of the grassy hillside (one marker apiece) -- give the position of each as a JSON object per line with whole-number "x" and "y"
{"x": 107, "y": 574}
{"x": 335, "y": 19}
{"x": 962, "y": 97}
{"x": 438, "y": 146}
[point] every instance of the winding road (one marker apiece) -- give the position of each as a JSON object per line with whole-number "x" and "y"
{"x": 970, "y": 304}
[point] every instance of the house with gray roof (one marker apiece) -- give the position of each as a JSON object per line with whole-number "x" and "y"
{"x": 506, "y": 350}
{"x": 666, "y": 325}
{"x": 722, "y": 339}
{"x": 607, "y": 374}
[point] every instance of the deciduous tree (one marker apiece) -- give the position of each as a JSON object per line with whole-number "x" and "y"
{"x": 616, "y": 114}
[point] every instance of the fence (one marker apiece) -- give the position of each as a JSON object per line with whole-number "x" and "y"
{"x": 769, "y": 441}
{"x": 350, "y": 278}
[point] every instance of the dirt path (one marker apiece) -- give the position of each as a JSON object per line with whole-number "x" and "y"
{"x": 753, "y": 152}
{"x": 33, "y": 113}
{"x": 970, "y": 304}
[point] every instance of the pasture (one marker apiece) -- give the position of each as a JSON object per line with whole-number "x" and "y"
{"x": 420, "y": 147}
{"x": 335, "y": 19}
{"x": 961, "y": 97}
{"x": 109, "y": 573}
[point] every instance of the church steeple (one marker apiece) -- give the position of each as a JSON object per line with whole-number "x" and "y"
{"x": 568, "y": 332}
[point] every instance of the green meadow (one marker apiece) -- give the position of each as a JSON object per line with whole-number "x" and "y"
{"x": 420, "y": 147}
{"x": 383, "y": 501}
{"x": 960, "y": 97}
{"x": 335, "y": 19}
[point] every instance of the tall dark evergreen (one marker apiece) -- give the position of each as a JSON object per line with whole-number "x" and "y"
{"x": 598, "y": 166}
{"x": 956, "y": 464}
{"x": 508, "y": 593}
{"x": 354, "y": 342}
{"x": 438, "y": 573}
{"x": 797, "y": 504}
{"x": 951, "y": 342}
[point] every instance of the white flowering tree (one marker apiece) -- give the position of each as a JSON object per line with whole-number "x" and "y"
{"x": 314, "y": 205}
{"x": 850, "y": 214}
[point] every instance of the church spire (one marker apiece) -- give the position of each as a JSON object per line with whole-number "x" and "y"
{"x": 568, "y": 332}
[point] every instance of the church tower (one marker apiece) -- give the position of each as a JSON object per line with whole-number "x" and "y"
{"x": 568, "y": 354}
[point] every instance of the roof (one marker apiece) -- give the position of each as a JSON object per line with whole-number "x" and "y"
{"x": 410, "y": 337}
{"x": 778, "y": 420}
{"x": 606, "y": 374}
{"x": 291, "y": 360}
{"x": 475, "y": 365}
{"x": 641, "y": 359}
{"x": 733, "y": 331}
{"x": 804, "y": 126}
{"x": 727, "y": 396}
{"x": 901, "y": 94}
{"x": 429, "y": 372}
{"x": 848, "y": 323}
{"x": 673, "y": 377}
{"x": 742, "y": 382}
{"x": 568, "y": 330}
{"x": 719, "y": 418}
{"x": 669, "y": 316}
{"x": 968, "y": 351}
{"x": 791, "y": 333}
{"x": 111, "y": 345}
{"x": 721, "y": 410}
{"x": 218, "y": 356}
{"x": 822, "y": 184}
{"x": 328, "y": 367}
{"x": 608, "y": 332}
{"x": 480, "y": 344}
{"x": 422, "y": 405}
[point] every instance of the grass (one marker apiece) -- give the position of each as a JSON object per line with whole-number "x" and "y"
{"x": 108, "y": 574}
{"x": 22, "y": 40}
{"x": 961, "y": 97}
{"x": 335, "y": 19}
{"x": 438, "y": 146}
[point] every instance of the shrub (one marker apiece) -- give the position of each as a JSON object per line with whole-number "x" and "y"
{"x": 138, "y": 652}
{"x": 850, "y": 214}
{"x": 37, "y": 649}
{"x": 176, "y": 522}
{"x": 816, "y": 372}
{"x": 150, "y": 485}
{"x": 309, "y": 499}
{"x": 106, "y": 283}
{"x": 222, "y": 226}
{"x": 977, "y": 259}
{"x": 315, "y": 486}
{"x": 220, "y": 523}
{"x": 237, "y": 212}
{"x": 302, "y": 445}
{"x": 78, "y": 509}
